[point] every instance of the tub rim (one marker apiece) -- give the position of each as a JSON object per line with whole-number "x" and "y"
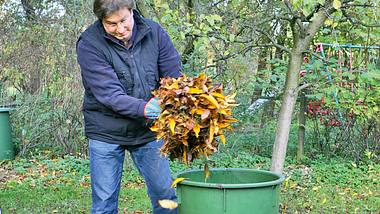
{"x": 278, "y": 181}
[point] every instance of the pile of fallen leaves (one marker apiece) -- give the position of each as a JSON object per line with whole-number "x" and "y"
{"x": 194, "y": 113}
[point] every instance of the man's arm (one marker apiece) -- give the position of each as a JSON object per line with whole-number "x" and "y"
{"x": 102, "y": 81}
{"x": 169, "y": 61}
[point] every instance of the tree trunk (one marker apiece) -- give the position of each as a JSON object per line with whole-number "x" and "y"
{"x": 287, "y": 107}
{"x": 302, "y": 37}
{"x": 189, "y": 48}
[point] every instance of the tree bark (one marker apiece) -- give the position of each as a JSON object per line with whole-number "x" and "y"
{"x": 287, "y": 108}
{"x": 189, "y": 48}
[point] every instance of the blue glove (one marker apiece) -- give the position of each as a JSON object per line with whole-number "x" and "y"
{"x": 152, "y": 109}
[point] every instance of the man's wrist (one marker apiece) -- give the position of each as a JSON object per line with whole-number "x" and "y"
{"x": 141, "y": 109}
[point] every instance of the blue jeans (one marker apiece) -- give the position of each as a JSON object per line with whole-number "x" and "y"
{"x": 106, "y": 166}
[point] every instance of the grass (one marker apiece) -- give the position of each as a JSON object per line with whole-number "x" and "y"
{"x": 48, "y": 184}
{"x": 60, "y": 185}
{"x": 332, "y": 187}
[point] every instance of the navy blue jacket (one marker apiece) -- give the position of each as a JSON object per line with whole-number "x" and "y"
{"x": 118, "y": 80}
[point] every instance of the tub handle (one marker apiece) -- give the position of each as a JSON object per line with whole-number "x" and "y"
{"x": 224, "y": 200}
{"x": 179, "y": 195}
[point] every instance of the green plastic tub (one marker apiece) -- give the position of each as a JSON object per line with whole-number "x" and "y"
{"x": 232, "y": 191}
{"x": 6, "y": 146}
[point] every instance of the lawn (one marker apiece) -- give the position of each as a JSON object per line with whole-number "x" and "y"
{"x": 49, "y": 184}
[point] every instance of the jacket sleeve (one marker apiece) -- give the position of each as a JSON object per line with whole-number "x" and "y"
{"x": 169, "y": 61}
{"x": 99, "y": 77}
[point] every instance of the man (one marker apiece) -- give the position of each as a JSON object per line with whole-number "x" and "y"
{"x": 122, "y": 57}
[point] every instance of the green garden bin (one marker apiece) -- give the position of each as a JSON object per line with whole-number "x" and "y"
{"x": 229, "y": 191}
{"x": 6, "y": 147}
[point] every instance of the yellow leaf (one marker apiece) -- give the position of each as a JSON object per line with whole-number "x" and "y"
{"x": 197, "y": 129}
{"x": 218, "y": 95}
{"x": 230, "y": 120}
{"x": 185, "y": 156}
{"x": 177, "y": 181}
{"x": 174, "y": 85}
{"x": 231, "y": 97}
{"x": 199, "y": 111}
{"x": 223, "y": 139}
{"x": 211, "y": 106}
{"x": 202, "y": 76}
{"x": 160, "y": 135}
{"x": 172, "y": 125}
{"x": 233, "y": 105}
{"x": 168, "y": 204}
{"x": 207, "y": 172}
{"x": 211, "y": 99}
{"x": 154, "y": 128}
{"x": 216, "y": 127}
{"x": 223, "y": 125}
{"x": 195, "y": 91}
{"x": 324, "y": 201}
{"x": 212, "y": 131}
{"x": 223, "y": 111}
{"x": 286, "y": 182}
{"x": 337, "y": 4}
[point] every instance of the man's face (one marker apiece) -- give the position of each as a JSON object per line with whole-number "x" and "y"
{"x": 120, "y": 24}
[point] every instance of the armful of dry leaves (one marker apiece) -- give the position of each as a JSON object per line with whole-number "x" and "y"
{"x": 194, "y": 113}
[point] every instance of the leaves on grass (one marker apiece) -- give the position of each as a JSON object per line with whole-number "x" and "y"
{"x": 194, "y": 113}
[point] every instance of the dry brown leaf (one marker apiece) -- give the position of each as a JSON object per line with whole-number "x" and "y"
{"x": 168, "y": 204}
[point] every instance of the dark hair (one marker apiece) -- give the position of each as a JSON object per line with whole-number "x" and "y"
{"x": 103, "y": 8}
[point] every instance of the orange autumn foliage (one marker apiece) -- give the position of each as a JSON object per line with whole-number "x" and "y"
{"x": 194, "y": 113}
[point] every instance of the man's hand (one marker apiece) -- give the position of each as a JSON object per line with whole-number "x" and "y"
{"x": 152, "y": 109}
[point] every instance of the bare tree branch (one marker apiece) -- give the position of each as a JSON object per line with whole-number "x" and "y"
{"x": 216, "y": 3}
{"x": 357, "y": 21}
{"x": 273, "y": 40}
{"x": 301, "y": 87}
{"x": 347, "y": 5}
{"x": 297, "y": 17}
{"x": 315, "y": 25}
